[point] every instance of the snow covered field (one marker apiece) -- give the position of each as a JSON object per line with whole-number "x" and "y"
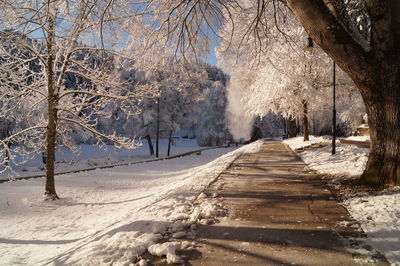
{"x": 379, "y": 215}
{"x": 110, "y": 215}
{"x": 92, "y": 156}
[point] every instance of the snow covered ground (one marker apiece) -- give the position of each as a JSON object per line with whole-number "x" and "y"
{"x": 348, "y": 161}
{"x": 92, "y": 156}
{"x": 379, "y": 215}
{"x": 110, "y": 215}
{"x": 358, "y": 138}
{"x": 297, "y": 143}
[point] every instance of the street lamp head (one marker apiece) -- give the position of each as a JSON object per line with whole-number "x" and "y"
{"x": 310, "y": 47}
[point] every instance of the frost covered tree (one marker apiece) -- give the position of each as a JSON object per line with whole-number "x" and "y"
{"x": 282, "y": 77}
{"x": 179, "y": 93}
{"x": 179, "y": 97}
{"x": 145, "y": 126}
{"x": 362, "y": 37}
{"x": 67, "y": 34}
{"x": 371, "y": 57}
{"x": 212, "y": 127}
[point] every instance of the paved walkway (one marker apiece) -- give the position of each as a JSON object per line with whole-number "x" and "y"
{"x": 278, "y": 214}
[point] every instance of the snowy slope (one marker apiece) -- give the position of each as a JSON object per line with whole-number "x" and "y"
{"x": 349, "y": 160}
{"x": 104, "y": 215}
{"x": 89, "y": 156}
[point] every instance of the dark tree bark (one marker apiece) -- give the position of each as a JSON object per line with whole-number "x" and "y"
{"x": 374, "y": 66}
{"x": 44, "y": 158}
{"x": 306, "y": 136}
{"x": 256, "y": 133}
{"x": 334, "y": 131}
{"x": 383, "y": 109}
{"x": 292, "y": 128}
{"x": 151, "y": 149}
{"x": 169, "y": 143}
{"x": 50, "y": 190}
{"x": 7, "y": 154}
{"x": 314, "y": 125}
{"x": 6, "y": 133}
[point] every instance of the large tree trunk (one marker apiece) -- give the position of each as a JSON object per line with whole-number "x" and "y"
{"x": 382, "y": 101}
{"x": 306, "y": 136}
{"x": 374, "y": 65}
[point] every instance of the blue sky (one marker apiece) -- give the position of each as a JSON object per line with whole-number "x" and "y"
{"x": 211, "y": 59}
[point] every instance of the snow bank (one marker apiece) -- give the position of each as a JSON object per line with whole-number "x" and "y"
{"x": 110, "y": 215}
{"x": 358, "y": 138}
{"x": 378, "y": 215}
{"x": 168, "y": 249}
{"x": 349, "y": 160}
{"x": 297, "y": 142}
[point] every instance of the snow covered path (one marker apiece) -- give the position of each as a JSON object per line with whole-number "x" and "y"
{"x": 104, "y": 215}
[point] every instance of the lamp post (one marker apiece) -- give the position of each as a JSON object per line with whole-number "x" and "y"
{"x": 310, "y": 47}
{"x": 158, "y": 125}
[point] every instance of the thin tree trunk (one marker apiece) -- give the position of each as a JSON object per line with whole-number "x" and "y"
{"x": 151, "y": 149}
{"x": 334, "y": 111}
{"x": 158, "y": 127}
{"x": 256, "y": 133}
{"x": 285, "y": 130}
{"x": 313, "y": 124}
{"x": 292, "y": 128}
{"x": 305, "y": 122}
{"x": 169, "y": 143}
{"x": 7, "y": 155}
{"x": 50, "y": 190}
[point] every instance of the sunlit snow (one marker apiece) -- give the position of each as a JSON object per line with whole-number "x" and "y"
{"x": 110, "y": 215}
